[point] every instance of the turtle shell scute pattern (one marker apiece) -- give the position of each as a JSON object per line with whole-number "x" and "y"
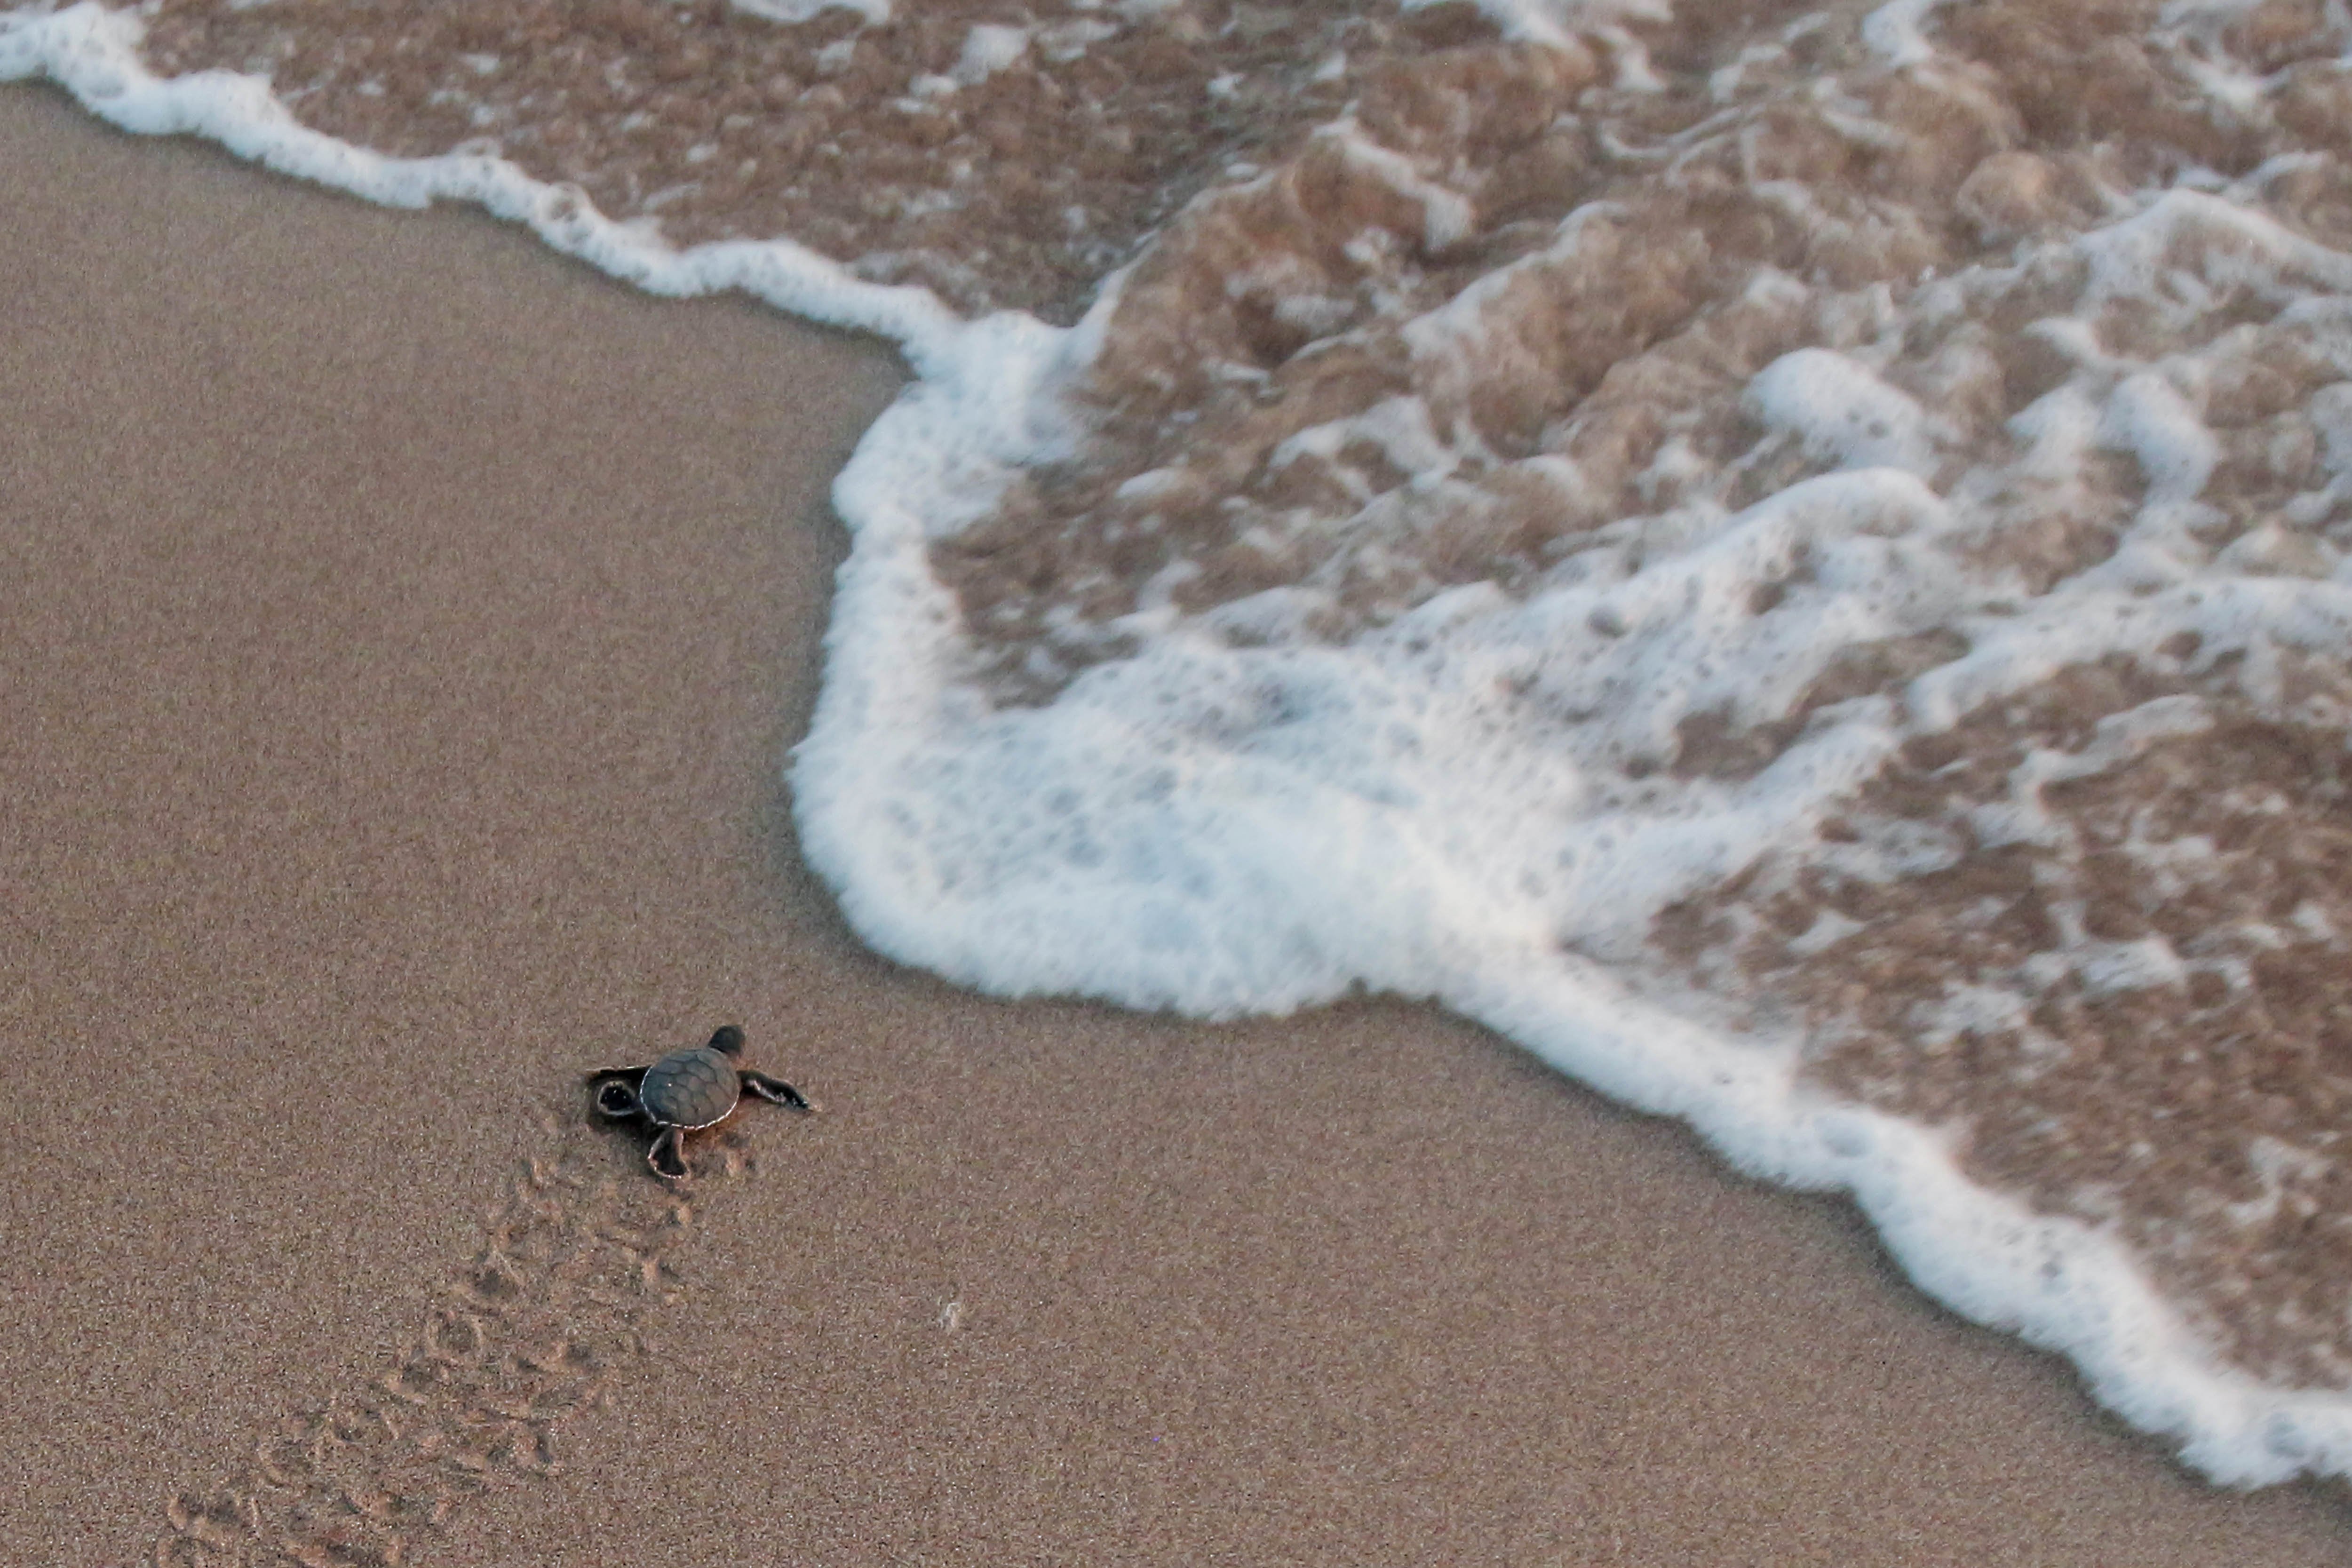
{"x": 692, "y": 1088}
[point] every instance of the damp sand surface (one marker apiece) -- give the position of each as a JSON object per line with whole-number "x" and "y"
{"x": 404, "y": 629}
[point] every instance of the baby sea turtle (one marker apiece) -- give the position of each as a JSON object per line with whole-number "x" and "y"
{"x": 697, "y": 1087}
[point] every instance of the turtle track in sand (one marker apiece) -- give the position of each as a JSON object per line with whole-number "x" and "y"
{"x": 531, "y": 1333}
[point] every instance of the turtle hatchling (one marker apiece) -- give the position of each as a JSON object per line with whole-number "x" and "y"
{"x": 686, "y": 1091}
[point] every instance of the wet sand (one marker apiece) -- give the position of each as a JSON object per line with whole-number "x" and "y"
{"x": 404, "y": 628}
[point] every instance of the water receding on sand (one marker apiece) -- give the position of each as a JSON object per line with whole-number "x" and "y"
{"x": 1789, "y": 557}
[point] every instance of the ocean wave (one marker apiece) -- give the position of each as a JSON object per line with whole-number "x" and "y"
{"x": 1791, "y": 562}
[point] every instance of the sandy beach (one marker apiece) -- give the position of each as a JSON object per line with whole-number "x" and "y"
{"x": 404, "y": 632}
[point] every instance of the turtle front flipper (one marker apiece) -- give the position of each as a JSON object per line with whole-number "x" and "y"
{"x": 617, "y": 1099}
{"x": 774, "y": 1091}
{"x": 668, "y": 1155}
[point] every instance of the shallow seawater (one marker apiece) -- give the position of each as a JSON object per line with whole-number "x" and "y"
{"x": 1790, "y": 558}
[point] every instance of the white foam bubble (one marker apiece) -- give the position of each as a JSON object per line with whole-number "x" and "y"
{"x": 1897, "y": 31}
{"x": 1557, "y": 21}
{"x": 1839, "y": 409}
{"x": 794, "y": 11}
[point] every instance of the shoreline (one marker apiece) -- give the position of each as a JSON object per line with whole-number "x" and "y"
{"x": 415, "y": 647}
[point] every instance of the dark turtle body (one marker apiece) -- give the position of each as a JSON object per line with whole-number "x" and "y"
{"x": 690, "y": 1089}
{"x": 687, "y": 1091}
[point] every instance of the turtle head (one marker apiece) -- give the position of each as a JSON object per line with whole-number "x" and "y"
{"x": 728, "y": 1041}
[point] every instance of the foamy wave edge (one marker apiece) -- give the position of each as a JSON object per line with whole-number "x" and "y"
{"x": 986, "y": 401}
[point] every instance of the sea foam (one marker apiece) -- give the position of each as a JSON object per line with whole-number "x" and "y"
{"x": 1489, "y": 792}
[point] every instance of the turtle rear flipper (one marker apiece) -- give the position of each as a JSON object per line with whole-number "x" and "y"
{"x": 774, "y": 1091}
{"x": 617, "y": 1099}
{"x": 668, "y": 1155}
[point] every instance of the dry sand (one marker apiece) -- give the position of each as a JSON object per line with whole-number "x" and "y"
{"x": 403, "y": 631}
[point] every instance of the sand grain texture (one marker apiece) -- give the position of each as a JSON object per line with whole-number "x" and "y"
{"x": 403, "y": 632}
